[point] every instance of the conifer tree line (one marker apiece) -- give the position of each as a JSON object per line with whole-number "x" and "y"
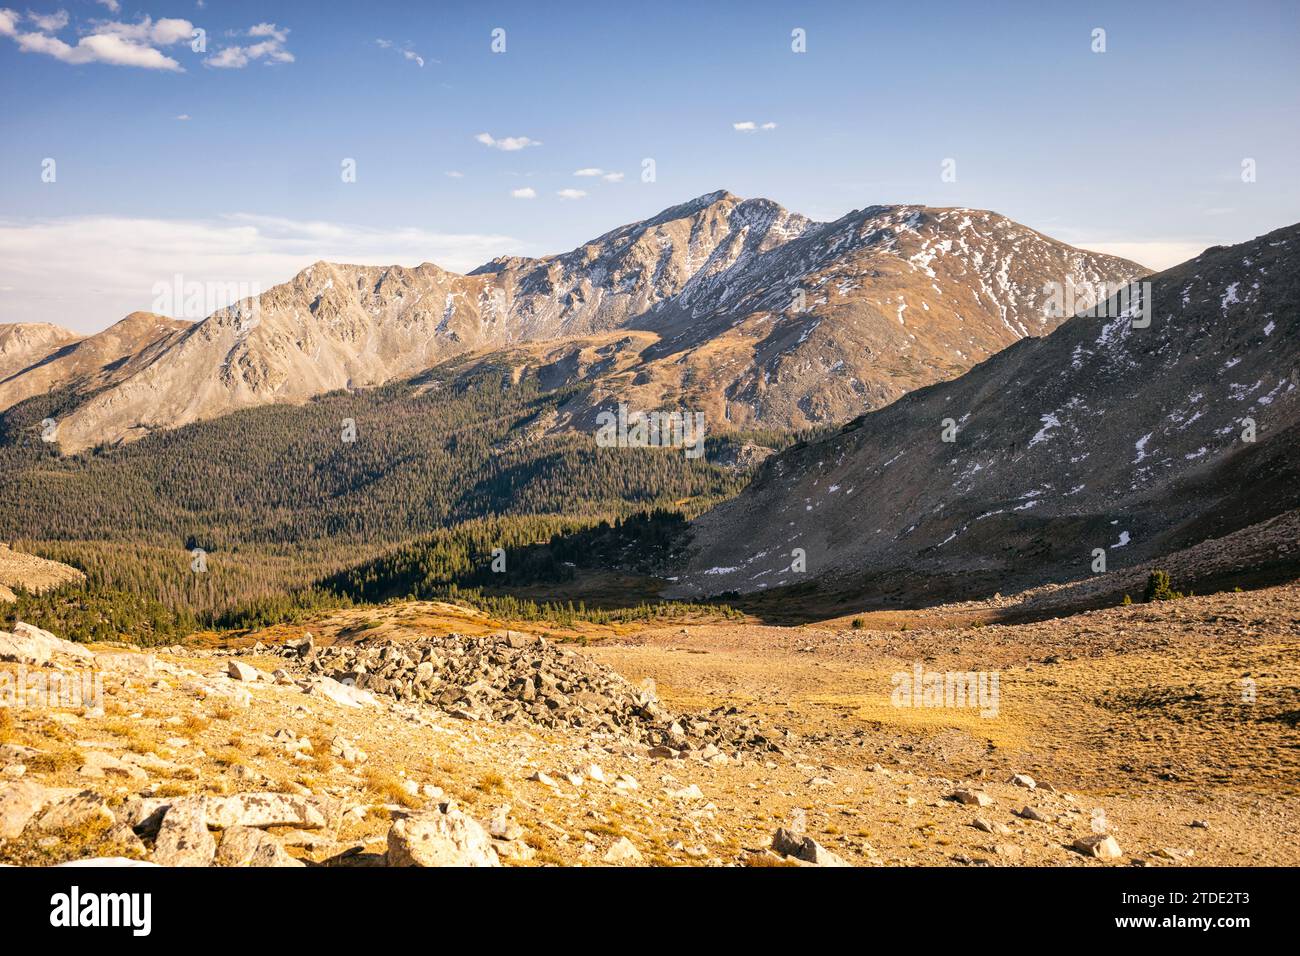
{"x": 291, "y": 516}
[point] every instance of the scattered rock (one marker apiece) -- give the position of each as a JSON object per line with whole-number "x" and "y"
{"x": 238, "y": 670}
{"x": 125, "y": 662}
{"x": 82, "y": 809}
{"x": 623, "y": 853}
{"x": 35, "y": 647}
{"x": 19, "y": 802}
{"x": 1029, "y": 813}
{"x": 246, "y": 846}
{"x": 340, "y": 693}
{"x": 977, "y": 797}
{"x": 788, "y": 843}
{"x": 445, "y": 837}
{"x": 1101, "y": 846}
{"x": 510, "y": 676}
{"x": 100, "y": 765}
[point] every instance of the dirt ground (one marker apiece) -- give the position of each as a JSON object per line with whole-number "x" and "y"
{"x": 1170, "y": 726}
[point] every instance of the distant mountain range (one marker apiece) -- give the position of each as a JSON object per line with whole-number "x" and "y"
{"x": 1103, "y": 439}
{"x": 754, "y": 315}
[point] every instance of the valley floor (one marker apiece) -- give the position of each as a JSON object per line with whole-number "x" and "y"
{"x": 1170, "y": 726}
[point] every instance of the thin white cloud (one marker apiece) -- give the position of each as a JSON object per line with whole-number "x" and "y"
{"x": 163, "y": 32}
{"x": 87, "y": 272}
{"x": 268, "y": 30}
{"x": 114, "y": 6}
{"x": 49, "y": 22}
{"x": 749, "y": 126}
{"x": 405, "y": 51}
{"x": 455, "y": 174}
{"x": 269, "y": 49}
{"x": 527, "y": 192}
{"x": 571, "y": 193}
{"x": 507, "y": 144}
{"x": 183, "y": 116}
{"x": 594, "y": 171}
{"x": 112, "y": 43}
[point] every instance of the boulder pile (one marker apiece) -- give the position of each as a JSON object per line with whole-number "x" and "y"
{"x": 511, "y": 676}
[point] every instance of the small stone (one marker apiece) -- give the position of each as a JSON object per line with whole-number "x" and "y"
{"x": 241, "y": 671}
{"x": 1024, "y": 780}
{"x": 805, "y": 848}
{"x": 623, "y": 853}
{"x": 1100, "y": 846}
{"x": 977, "y": 797}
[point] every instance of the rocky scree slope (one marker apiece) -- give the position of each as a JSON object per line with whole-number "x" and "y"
{"x": 1101, "y": 435}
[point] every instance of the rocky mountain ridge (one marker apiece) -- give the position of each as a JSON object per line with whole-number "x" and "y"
{"x": 737, "y": 308}
{"x": 1105, "y": 439}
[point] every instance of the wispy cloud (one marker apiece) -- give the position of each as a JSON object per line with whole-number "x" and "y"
{"x": 87, "y": 272}
{"x": 405, "y": 50}
{"x": 454, "y": 174}
{"x": 571, "y": 193}
{"x": 111, "y": 42}
{"x": 749, "y": 126}
{"x": 527, "y": 192}
{"x": 597, "y": 171}
{"x": 269, "y": 48}
{"x": 49, "y": 22}
{"x": 507, "y": 144}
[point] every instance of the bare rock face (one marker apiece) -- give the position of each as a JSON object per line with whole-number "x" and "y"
{"x": 445, "y": 837}
{"x": 62, "y": 360}
{"x": 735, "y": 307}
{"x": 183, "y": 838}
{"x": 23, "y": 344}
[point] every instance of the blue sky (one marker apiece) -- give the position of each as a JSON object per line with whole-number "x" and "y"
{"x": 1137, "y": 150}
